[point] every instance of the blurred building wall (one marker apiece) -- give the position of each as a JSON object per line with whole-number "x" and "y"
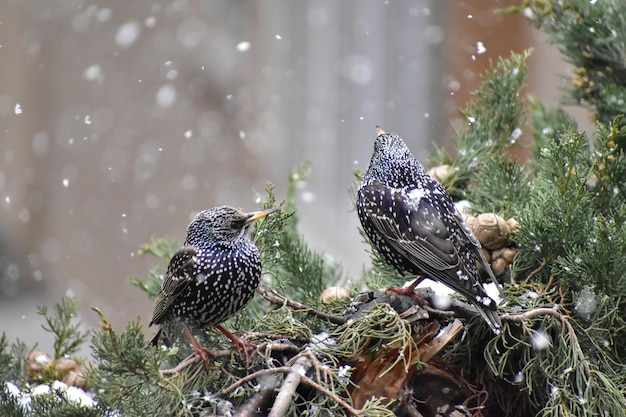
{"x": 121, "y": 120}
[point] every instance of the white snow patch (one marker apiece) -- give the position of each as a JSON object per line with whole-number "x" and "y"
{"x": 321, "y": 341}
{"x": 243, "y": 46}
{"x": 441, "y": 302}
{"x": 93, "y": 73}
{"x": 515, "y": 135}
{"x": 166, "y": 95}
{"x": 72, "y": 394}
{"x": 440, "y": 290}
{"x": 127, "y": 34}
{"x": 416, "y": 194}
{"x": 541, "y": 340}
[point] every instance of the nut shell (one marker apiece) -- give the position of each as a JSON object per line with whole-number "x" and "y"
{"x": 513, "y": 225}
{"x": 76, "y": 378}
{"x": 440, "y": 172}
{"x": 471, "y": 222}
{"x": 64, "y": 365}
{"x": 499, "y": 266}
{"x": 492, "y": 231}
{"x": 508, "y": 254}
{"x": 36, "y": 363}
{"x": 331, "y": 294}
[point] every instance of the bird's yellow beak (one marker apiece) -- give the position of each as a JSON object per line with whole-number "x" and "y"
{"x": 256, "y": 215}
{"x": 379, "y": 131}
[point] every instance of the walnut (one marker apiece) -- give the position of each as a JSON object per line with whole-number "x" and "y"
{"x": 440, "y": 172}
{"x": 331, "y": 294}
{"x": 499, "y": 266}
{"x": 76, "y": 378}
{"x": 491, "y": 231}
{"x": 36, "y": 363}
{"x": 64, "y": 365}
{"x": 513, "y": 225}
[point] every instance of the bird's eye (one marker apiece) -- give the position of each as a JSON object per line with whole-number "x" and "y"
{"x": 237, "y": 224}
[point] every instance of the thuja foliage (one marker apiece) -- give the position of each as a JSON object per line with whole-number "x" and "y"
{"x": 591, "y": 36}
{"x": 18, "y": 380}
{"x": 562, "y": 348}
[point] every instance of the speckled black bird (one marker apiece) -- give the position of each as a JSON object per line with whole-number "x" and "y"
{"x": 213, "y": 276}
{"x": 412, "y": 222}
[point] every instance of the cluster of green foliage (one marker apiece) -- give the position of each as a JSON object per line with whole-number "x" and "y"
{"x": 590, "y": 35}
{"x": 68, "y": 337}
{"x": 570, "y": 203}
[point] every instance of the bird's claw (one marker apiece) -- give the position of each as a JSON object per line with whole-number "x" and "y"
{"x": 410, "y": 291}
{"x": 238, "y": 344}
{"x": 242, "y": 349}
{"x": 204, "y": 354}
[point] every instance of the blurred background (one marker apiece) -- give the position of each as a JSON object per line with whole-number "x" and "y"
{"x": 120, "y": 120}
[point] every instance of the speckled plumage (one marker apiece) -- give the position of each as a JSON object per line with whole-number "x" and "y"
{"x": 412, "y": 222}
{"x": 215, "y": 274}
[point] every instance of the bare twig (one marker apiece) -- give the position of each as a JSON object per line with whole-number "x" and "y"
{"x": 439, "y": 313}
{"x": 265, "y": 351}
{"x": 308, "y": 381}
{"x": 255, "y": 403}
{"x": 536, "y": 271}
{"x": 176, "y": 370}
{"x": 553, "y": 311}
{"x": 254, "y": 375}
{"x": 289, "y": 385}
{"x": 277, "y": 299}
{"x": 296, "y": 377}
{"x": 316, "y": 364}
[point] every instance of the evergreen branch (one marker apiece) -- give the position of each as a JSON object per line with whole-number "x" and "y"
{"x": 68, "y": 336}
{"x": 113, "y": 340}
{"x": 493, "y": 118}
{"x": 553, "y": 311}
{"x": 298, "y": 270}
{"x": 274, "y": 298}
{"x": 591, "y": 37}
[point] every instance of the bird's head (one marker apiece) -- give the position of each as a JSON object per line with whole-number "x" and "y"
{"x": 221, "y": 224}
{"x": 390, "y": 151}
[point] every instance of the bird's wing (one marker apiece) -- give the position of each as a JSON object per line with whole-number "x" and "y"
{"x": 179, "y": 273}
{"x": 413, "y": 227}
{"x": 476, "y": 248}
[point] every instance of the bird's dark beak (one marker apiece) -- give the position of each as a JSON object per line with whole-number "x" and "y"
{"x": 256, "y": 215}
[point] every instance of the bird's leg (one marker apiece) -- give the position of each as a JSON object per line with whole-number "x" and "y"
{"x": 202, "y": 352}
{"x": 410, "y": 291}
{"x": 239, "y": 345}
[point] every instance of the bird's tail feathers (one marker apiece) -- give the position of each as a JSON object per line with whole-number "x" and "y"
{"x": 491, "y": 317}
{"x": 157, "y": 336}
